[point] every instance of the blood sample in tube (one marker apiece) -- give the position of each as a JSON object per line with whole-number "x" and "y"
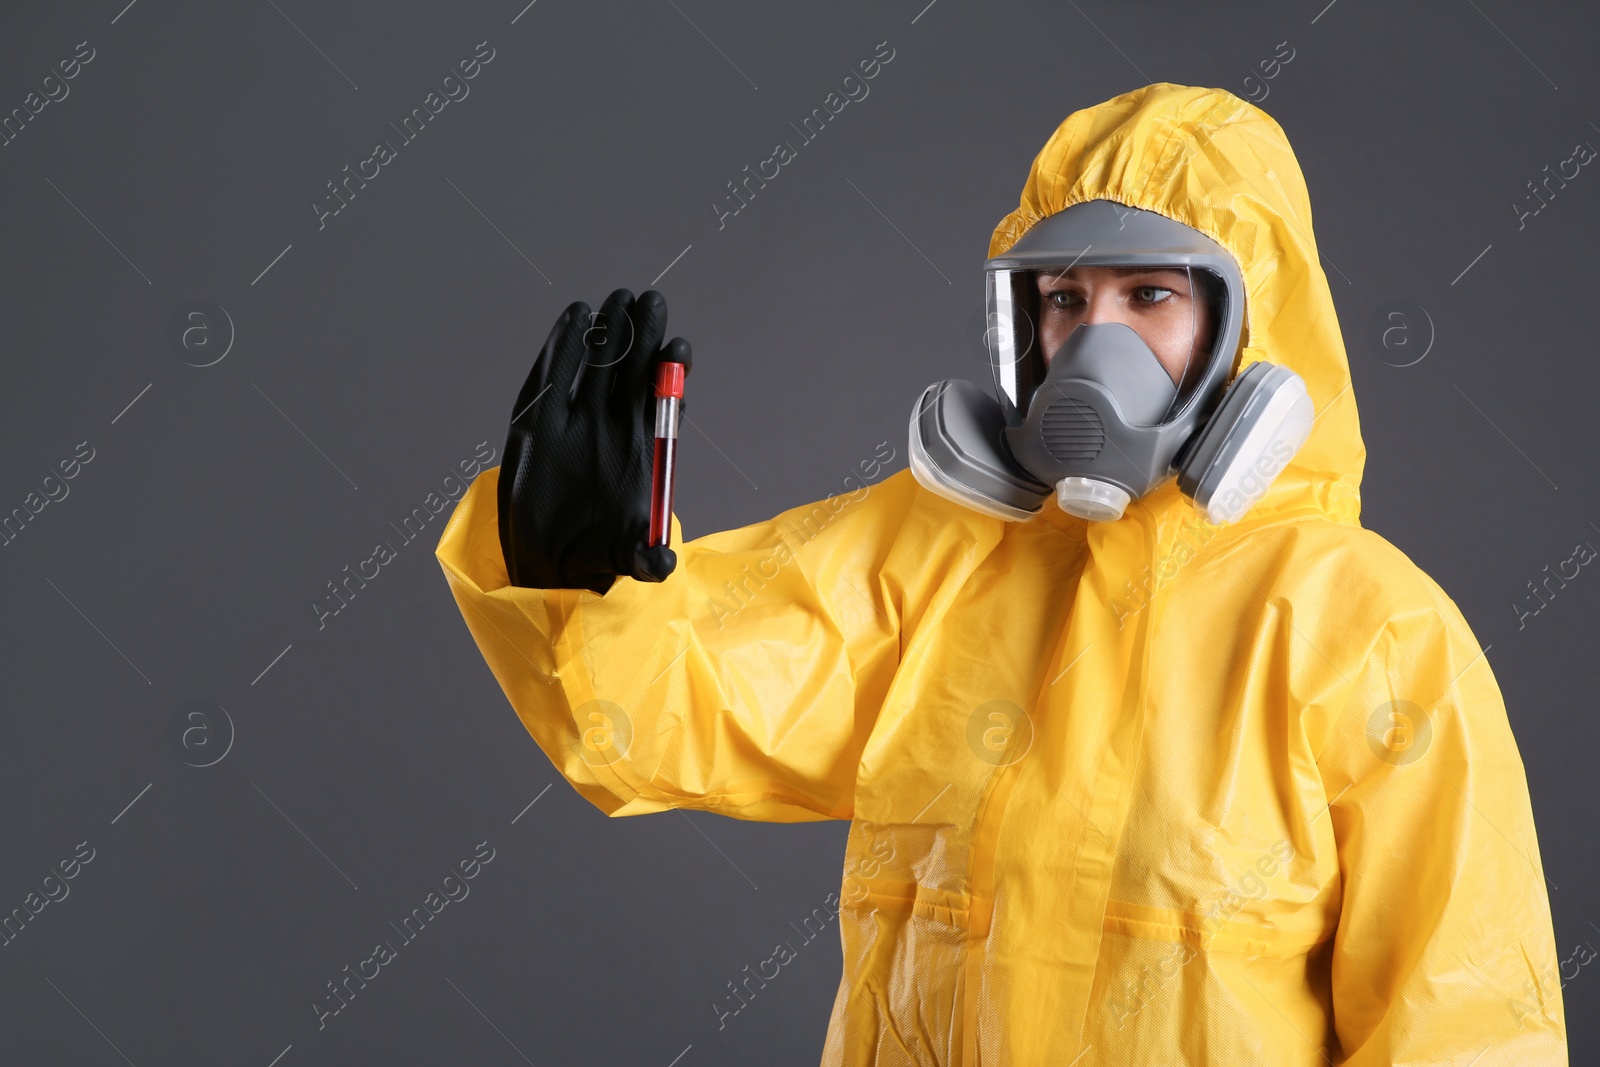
{"x": 669, "y": 399}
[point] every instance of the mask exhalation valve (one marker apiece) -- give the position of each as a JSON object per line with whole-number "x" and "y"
{"x": 1092, "y": 499}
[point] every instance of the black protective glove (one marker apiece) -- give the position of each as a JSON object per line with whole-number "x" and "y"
{"x": 574, "y": 489}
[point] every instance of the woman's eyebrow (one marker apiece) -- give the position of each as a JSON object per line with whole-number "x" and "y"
{"x": 1125, "y": 272}
{"x": 1069, "y": 273}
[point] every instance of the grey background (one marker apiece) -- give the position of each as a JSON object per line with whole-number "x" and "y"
{"x": 376, "y": 752}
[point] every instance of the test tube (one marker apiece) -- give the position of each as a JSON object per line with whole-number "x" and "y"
{"x": 669, "y": 397}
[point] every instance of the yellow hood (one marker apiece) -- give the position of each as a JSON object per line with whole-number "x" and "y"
{"x": 1209, "y": 160}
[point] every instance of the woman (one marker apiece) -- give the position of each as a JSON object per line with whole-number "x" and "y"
{"x": 1143, "y": 790}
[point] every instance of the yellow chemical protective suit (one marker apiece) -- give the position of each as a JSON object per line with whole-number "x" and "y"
{"x": 1147, "y": 791}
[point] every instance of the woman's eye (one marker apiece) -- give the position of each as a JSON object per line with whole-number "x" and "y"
{"x": 1064, "y": 299}
{"x": 1151, "y": 294}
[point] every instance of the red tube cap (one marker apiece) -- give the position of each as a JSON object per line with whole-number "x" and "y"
{"x": 669, "y": 379}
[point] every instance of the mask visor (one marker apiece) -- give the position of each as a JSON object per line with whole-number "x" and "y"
{"x": 1033, "y": 313}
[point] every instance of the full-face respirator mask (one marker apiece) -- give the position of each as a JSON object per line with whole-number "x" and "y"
{"x": 1111, "y": 334}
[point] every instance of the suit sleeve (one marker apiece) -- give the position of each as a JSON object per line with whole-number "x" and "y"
{"x": 747, "y": 683}
{"x": 1445, "y": 951}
